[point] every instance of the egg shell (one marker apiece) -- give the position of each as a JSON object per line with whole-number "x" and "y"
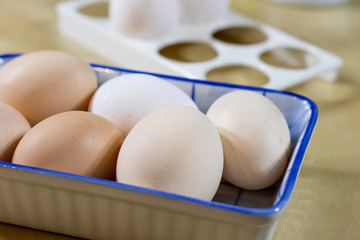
{"x": 255, "y": 138}
{"x": 174, "y": 149}
{"x": 13, "y": 127}
{"x": 143, "y": 18}
{"x": 202, "y": 11}
{"x": 43, "y": 83}
{"x": 76, "y": 142}
{"x": 126, "y": 99}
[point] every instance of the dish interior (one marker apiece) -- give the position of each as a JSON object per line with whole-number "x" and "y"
{"x": 300, "y": 113}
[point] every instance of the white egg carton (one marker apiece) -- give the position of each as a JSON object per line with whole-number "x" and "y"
{"x": 96, "y": 34}
{"x": 93, "y": 208}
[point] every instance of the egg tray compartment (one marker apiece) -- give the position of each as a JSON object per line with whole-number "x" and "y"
{"x": 265, "y": 56}
{"x": 101, "y": 209}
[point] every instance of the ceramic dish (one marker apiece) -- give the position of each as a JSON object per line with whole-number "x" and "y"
{"x": 101, "y": 209}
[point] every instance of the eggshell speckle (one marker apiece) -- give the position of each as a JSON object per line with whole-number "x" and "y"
{"x": 43, "y": 83}
{"x": 75, "y": 142}
{"x": 126, "y": 99}
{"x": 255, "y": 138}
{"x": 174, "y": 149}
{"x": 13, "y": 127}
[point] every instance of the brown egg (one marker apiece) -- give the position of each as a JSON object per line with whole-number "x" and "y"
{"x": 43, "y": 83}
{"x": 76, "y": 142}
{"x": 13, "y": 126}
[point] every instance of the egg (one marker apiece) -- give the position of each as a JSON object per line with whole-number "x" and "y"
{"x": 43, "y": 83}
{"x": 143, "y": 18}
{"x": 76, "y": 142}
{"x": 202, "y": 11}
{"x": 126, "y": 99}
{"x": 174, "y": 149}
{"x": 255, "y": 138}
{"x": 13, "y": 127}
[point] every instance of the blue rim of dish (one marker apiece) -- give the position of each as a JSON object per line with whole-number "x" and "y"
{"x": 277, "y": 208}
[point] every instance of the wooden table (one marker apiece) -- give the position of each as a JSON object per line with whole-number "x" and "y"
{"x": 326, "y": 200}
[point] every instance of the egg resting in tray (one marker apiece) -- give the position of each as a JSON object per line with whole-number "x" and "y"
{"x": 95, "y": 151}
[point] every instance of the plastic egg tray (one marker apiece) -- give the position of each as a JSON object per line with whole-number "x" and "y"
{"x": 258, "y": 55}
{"x": 94, "y": 208}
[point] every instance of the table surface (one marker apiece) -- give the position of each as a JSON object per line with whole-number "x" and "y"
{"x": 326, "y": 200}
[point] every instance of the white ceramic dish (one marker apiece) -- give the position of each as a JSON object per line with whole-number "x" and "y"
{"x": 95, "y": 33}
{"x": 101, "y": 209}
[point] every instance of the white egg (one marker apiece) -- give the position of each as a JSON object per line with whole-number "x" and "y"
{"x": 202, "y": 11}
{"x": 144, "y": 18}
{"x": 174, "y": 149}
{"x": 255, "y": 138}
{"x": 126, "y": 99}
